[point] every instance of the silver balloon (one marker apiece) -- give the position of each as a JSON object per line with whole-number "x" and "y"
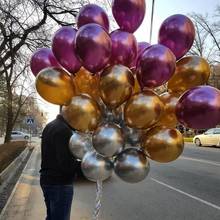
{"x": 96, "y": 167}
{"x": 132, "y": 136}
{"x": 79, "y": 144}
{"x": 131, "y": 165}
{"x": 108, "y": 139}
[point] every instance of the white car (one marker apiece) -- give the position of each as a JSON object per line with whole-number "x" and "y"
{"x": 18, "y": 135}
{"x": 210, "y": 138}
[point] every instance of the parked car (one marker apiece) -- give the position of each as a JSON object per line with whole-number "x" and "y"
{"x": 209, "y": 138}
{"x": 18, "y": 135}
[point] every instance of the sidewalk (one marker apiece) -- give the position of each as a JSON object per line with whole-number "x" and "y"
{"x": 27, "y": 203}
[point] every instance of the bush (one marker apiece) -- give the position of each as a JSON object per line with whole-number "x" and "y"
{"x": 9, "y": 151}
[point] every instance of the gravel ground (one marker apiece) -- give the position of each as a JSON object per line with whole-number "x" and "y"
{"x": 6, "y": 191}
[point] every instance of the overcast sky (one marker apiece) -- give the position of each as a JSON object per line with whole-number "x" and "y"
{"x": 162, "y": 10}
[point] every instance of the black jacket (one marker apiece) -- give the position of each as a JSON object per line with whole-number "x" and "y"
{"x": 58, "y": 166}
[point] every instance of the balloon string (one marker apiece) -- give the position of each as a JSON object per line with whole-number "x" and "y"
{"x": 98, "y": 204}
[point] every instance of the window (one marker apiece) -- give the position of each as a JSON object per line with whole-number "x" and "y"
{"x": 217, "y": 131}
{"x": 210, "y": 131}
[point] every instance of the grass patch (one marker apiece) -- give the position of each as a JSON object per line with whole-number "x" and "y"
{"x": 188, "y": 139}
{"x": 9, "y": 151}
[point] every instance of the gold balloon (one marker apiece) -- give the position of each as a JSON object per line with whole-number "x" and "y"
{"x": 55, "y": 86}
{"x": 83, "y": 113}
{"x": 137, "y": 87}
{"x": 168, "y": 117}
{"x": 143, "y": 110}
{"x": 116, "y": 85}
{"x": 87, "y": 83}
{"x": 190, "y": 71}
{"x": 162, "y": 144}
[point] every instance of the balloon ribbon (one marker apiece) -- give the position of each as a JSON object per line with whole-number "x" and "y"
{"x": 98, "y": 204}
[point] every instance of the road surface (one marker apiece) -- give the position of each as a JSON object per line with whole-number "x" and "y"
{"x": 187, "y": 189}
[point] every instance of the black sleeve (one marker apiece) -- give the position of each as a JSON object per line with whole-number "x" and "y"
{"x": 66, "y": 162}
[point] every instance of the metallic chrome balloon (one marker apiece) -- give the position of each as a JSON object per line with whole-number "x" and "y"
{"x": 63, "y": 46}
{"x": 79, "y": 145}
{"x": 96, "y": 167}
{"x": 93, "y": 46}
{"x": 177, "y": 32}
{"x": 141, "y": 47}
{"x": 83, "y": 113}
{"x": 41, "y": 59}
{"x": 155, "y": 66}
{"x": 55, "y": 86}
{"x": 108, "y": 139}
{"x": 92, "y": 13}
{"x": 190, "y": 71}
{"x": 124, "y": 48}
{"x": 162, "y": 144}
{"x": 168, "y": 116}
{"x": 87, "y": 83}
{"x": 199, "y": 108}
{"x": 116, "y": 85}
{"x": 131, "y": 165}
{"x": 132, "y": 135}
{"x": 128, "y": 14}
{"x": 143, "y": 110}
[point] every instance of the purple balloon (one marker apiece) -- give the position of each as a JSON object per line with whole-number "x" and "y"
{"x": 63, "y": 46}
{"x": 199, "y": 108}
{"x": 124, "y": 48}
{"x": 92, "y": 13}
{"x": 141, "y": 47}
{"x": 177, "y": 32}
{"x": 155, "y": 66}
{"x": 41, "y": 59}
{"x": 128, "y": 14}
{"x": 93, "y": 46}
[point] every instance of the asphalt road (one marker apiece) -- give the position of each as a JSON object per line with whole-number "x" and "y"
{"x": 187, "y": 189}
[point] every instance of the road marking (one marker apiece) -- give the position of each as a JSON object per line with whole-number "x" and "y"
{"x": 187, "y": 194}
{"x": 200, "y": 160}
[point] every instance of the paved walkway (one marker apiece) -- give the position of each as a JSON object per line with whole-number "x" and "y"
{"x": 26, "y": 202}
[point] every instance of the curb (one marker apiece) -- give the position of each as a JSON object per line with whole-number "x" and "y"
{"x": 27, "y": 149}
{"x": 11, "y": 169}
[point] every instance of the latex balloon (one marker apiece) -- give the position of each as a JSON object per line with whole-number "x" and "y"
{"x": 116, "y": 84}
{"x": 141, "y": 47}
{"x": 87, "y": 83}
{"x": 177, "y": 32}
{"x": 143, "y": 110}
{"x": 108, "y": 139}
{"x": 132, "y": 135}
{"x": 124, "y": 48}
{"x": 199, "y": 108}
{"x": 128, "y": 14}
{"x": 190, "y": 71}
{"x": 137, "y": 87}
{"x": 41, "y": 59}
{"x": 55, "y": 86}
{"x": 168, "y": 116}
{"x": 93, "y": 46}
{"x": 63, "y": 46}
{"x": 96, "y": 167}
{"x": 92, "y": 13}
{"x": 83, "y": 113}
{"x": 155, "y": 66}
{"x": 131, "y": 165}
{"x": 163, "y": 144}
{"x": 79, "y": 145}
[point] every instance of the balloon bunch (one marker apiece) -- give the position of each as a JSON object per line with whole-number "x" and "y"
{"x": 106, "y": 83}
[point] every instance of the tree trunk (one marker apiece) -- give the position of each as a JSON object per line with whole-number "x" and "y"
{"x": 9, "y": 123}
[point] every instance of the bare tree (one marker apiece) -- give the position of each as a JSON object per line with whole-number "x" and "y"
{"x": 24, "y": 26}
{"x": 207, "y": 42}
